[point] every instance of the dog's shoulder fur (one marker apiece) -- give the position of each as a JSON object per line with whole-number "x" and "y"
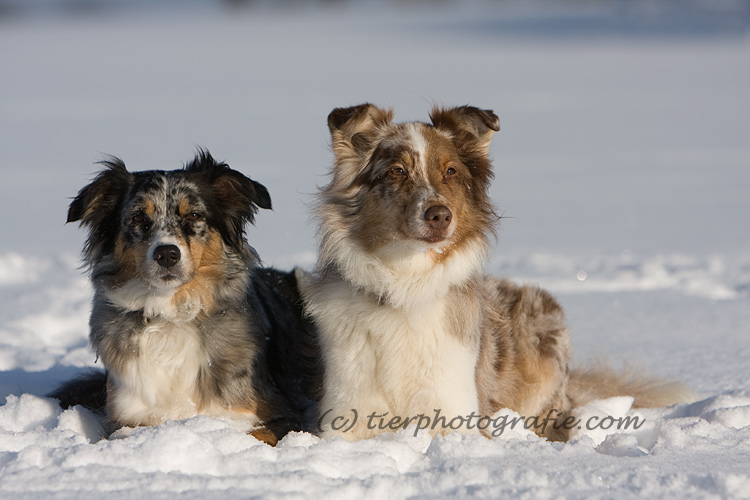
{"x": 183, "y": 318}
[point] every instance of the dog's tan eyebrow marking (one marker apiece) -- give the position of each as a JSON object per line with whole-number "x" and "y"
{"x": 184, "y": 206}
{"x": 440, "y": 155}
{"x": 148, "y": 207}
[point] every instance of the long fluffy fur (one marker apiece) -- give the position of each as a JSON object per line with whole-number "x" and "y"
{"x": 601, "y": 381}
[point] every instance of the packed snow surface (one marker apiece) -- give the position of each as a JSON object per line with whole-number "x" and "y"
{"x": 622, "y": 174}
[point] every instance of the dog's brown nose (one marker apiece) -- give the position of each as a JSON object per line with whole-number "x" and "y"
{"x": 167, "y": 255}
{"x": 438, "y": 217}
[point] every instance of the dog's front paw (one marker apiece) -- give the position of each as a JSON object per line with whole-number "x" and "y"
{"x": 265, "y": 435}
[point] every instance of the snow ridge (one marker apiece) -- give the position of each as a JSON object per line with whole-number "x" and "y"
{"x": 715, "y": 277}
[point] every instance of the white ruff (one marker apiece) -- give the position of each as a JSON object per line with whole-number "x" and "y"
{"x": 406, "y": 277}
{"x": 161, "y": 382}
{"x": 386, "y": 340}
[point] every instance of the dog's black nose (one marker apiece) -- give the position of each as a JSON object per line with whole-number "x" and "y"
{"x": 438, "y": 217}
{"x": 167, "y": 255}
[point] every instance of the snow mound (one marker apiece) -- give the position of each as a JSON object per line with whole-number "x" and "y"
{"x": 43, "y": 326}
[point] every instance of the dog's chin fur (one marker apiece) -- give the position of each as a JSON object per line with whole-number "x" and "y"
{"x": 408, "y": 274}
{"x": 189, "y": 329}
{"x": 408, "y": 327}
{"x": 136, "y": 295}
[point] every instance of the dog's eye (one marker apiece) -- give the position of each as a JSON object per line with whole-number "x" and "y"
{"x": 398, "y": 171}
{"x": 193, "y": 216}
{"x": 450, "y": 172}
{"x": 140, "y": 219}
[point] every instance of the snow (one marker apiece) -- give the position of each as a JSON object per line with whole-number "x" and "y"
{"x": 622, "y": 173}
{"x": 694, "y": 451}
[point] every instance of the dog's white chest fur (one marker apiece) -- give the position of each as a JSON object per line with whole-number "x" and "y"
{"x": 398, "y": 362}
{"x": 160, "y": 382}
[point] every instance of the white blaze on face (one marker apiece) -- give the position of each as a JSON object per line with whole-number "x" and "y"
{"x": 418, "y": 144}
{"x": 426, "y": 194}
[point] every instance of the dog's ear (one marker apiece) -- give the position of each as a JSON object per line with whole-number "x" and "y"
{"x": 97, "y": 206}
{"x": 262, "y": 196}
{"x": 240, "y": 191}
{"x": 471, "y": 127}
{"x": 98, "y": 202}
{"x": 230, "y": 186}
{"x": 472, "y": 130}
{"x": 354, "y": 129}
{"x": 235, "y": 196}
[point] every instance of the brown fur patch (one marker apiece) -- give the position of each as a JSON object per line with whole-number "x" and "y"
{"x": 444, "y": 253}
{"x": 184, "y": 206}
{"x": 601, "y": 381}
{"x": 466, "y": 204}
{"x": 148, "y": 207}
{"x": 265, "y": 435}
{"x": 207, "y": 260}
{"x": 469, "y": 125}
{"x": 129, "y": 260}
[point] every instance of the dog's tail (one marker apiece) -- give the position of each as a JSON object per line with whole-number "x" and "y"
{"x": 88, "y": 390}
{"x": 601, "y": 382}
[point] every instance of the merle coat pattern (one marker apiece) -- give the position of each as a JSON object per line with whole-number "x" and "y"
{"x": 184, "y": 319}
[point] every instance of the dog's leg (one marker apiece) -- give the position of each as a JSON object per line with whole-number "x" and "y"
{"x": 523, "y": 362}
